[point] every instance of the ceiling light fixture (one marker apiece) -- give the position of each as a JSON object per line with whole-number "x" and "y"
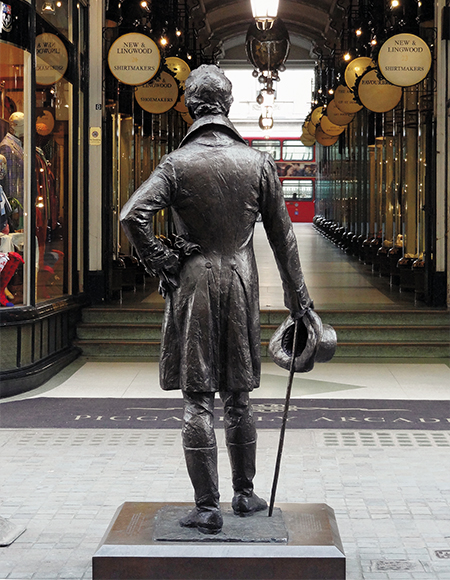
{"x": 48, "y": 8}
{"x": 266, "y": 122}
{"x": 264, "y": 12}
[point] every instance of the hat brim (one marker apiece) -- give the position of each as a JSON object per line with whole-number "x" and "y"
{"x": 316, "y": 342}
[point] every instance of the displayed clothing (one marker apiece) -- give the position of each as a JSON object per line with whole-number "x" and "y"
{"x": 47, "y": 202}
{"x": 5, "y": 209}
{"x": 8, "y": 267}
{"x": 11, "y": 147}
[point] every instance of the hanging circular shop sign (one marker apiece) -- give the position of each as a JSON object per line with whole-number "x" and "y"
{"x": 377, "y": 94}
{"x": 311, "y": 129}
{"x": 337, "y": 116}
{"x": 181, "y": 106}
{"x": 187, "y": 118}
{"x": 324, "y": 139}
{"x": 306, "y": 131}
{"x": 178, "y": 68}
{"x": 52, "y": 59}
{"x": 134, "y": 59}
{"x": 404, "y": 59}
{"x": 307, "y": 140}
{"x": 345, "y": 100}
{"x": 356, "y": 68}
{"x": 315, "y": 115}
{"x": 45, "y": 123}
{"x": 330, "y": 128}
{"x": 183, "y": 110}
{"x": 159, "y": 95}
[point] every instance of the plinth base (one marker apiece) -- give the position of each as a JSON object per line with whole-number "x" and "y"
{"x": 9, "y": 532}
{"x": 304, "y": 545}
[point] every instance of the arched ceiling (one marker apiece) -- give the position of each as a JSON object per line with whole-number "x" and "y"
{"x": 224, "y": 24}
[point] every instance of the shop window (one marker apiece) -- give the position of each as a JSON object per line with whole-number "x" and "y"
{"x": 15, "y": 166}
{"x": 41, "y": 162}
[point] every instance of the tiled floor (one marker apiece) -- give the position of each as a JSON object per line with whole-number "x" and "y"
{"x": 390, "y": 489}
{"x": 333, "y": 278}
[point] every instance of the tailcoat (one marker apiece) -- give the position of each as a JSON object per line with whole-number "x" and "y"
{"x": 216, "y": 187}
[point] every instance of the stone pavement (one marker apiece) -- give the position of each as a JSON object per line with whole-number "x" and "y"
{"x": 390, "y": 491}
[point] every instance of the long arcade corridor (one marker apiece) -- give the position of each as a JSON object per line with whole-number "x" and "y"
{"x": 370, "y": 439}
{"x": 335, "y": 280}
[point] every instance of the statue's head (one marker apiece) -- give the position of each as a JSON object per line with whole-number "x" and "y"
{"x": 208, "y": 92}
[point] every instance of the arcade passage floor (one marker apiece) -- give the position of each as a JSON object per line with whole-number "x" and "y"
{"x": 389, "y": 486}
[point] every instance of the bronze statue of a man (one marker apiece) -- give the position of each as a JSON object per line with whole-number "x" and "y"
{"x": 216, "y": 186}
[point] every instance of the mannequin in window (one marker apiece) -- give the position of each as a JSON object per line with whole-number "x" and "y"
{"x": 5, "y": 207}
{"x": 12, "y": 149}
{"x": 9, "y": 261}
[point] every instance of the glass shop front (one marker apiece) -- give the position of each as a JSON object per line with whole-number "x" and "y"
{"x": 43, "y": 47}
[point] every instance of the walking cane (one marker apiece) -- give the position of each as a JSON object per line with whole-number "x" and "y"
{"x": 283, "y": 425}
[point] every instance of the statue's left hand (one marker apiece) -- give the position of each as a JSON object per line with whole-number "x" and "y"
{"x": 304, "y": 303}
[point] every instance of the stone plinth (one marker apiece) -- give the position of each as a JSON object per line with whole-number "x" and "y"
{"x": 145, "y": 541}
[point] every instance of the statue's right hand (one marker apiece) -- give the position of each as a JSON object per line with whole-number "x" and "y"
{"x": 169, "y": 275}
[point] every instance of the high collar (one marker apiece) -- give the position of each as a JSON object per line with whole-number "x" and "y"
{"x": 14, "y": 138}
{"x": 217, "y": 121}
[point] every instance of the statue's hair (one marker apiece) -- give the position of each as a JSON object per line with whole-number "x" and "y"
{"x": 208, "y": 91}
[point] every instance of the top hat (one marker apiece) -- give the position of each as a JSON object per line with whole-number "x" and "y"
{"x": 316, "y": 342}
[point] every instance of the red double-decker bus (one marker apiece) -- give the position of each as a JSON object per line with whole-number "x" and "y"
{"x": 296, "y": 165}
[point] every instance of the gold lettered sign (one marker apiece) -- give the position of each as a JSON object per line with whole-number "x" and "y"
{"x": 305, "y": 130}
{"x": 356, "y": 68}
{"x": 404, "y": 59}
{"x": 324, "y": 139}
{"x": 178, "y": 68}
{"x": 377, "y": 94}
{"x": 311, "y": 129}
{"x": 134, "y": 59}
{"x": 307, "y": 139}
{"x": 52, "y": 59}
{"x": 315, "y": 115}
{"x": 337, "y": 116}
{"x": 159, "y": 95}
{"x": 187, "y": 118}
{"x": 345, "y": 100}
{"x": 181, "y": 108}
{"x": 330, "y": 128}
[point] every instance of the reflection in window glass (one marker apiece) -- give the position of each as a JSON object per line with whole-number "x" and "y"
{"x": 56, "y": 13}
{"x": 273, "y": 147}
{"x": 298, "y": 189}
{"x": 296, "y": 151}
{"x": 53, "y": 176}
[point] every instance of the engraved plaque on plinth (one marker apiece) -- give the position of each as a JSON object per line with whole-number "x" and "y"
{"x": 145, "y": 541}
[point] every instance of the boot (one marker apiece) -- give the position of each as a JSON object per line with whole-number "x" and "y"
{"x": 202, "y": 468}
{"x": 243, "y": 466}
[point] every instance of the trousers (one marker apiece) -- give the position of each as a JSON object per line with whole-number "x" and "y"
{"x": 198, "y": 419}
